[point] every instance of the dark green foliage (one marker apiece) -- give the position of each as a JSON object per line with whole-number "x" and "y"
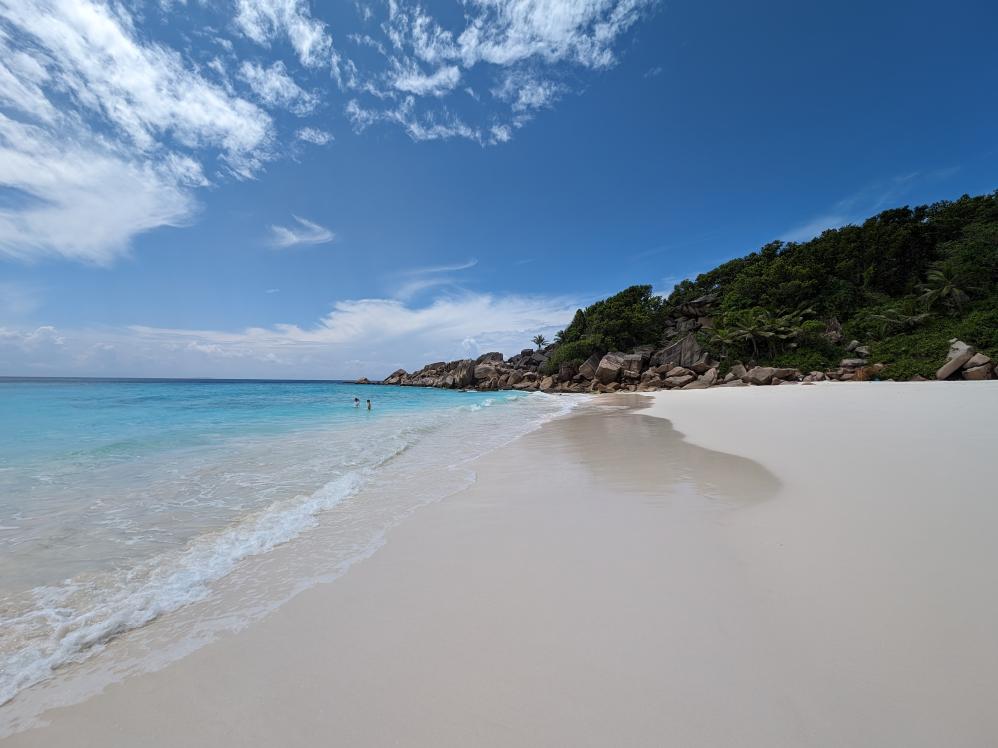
{"x": 808, "y": 359}
{"x": 630, "y": 318}
{"x": 572, "y": 353}
{"x": 979, "y": 327}
{"x": 922, "y": 351}
{"x": 846, "y": 269}
{"x": 759, "y": 331}
{"x": 903, "y": 283}
{"x": 894, "y": 316}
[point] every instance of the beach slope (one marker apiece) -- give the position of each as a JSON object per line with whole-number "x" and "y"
{"x": 783, "y": 566}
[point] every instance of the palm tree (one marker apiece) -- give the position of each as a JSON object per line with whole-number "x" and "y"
{"x": 539, "y": 341}
{"x": 941, "y": 287}
{"x": 892, "y": 320}
{"x": 744, "y": 325}
{"x": 726, "y": 339}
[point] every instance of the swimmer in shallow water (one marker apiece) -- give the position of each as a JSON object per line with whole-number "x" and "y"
{"x": 368, "y": 404}
{"x": 356, "y": 402}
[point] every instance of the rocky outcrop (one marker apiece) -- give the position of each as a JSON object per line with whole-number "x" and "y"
{"x": 566, "y": 372}
{"x": 609, "y": 368}
{"x": 485, "y": 372}
{"x": 964, "y": 362}
{"x": 589, "y": 366}
{"x": 681, "y": 365}
{"x": 959, "y": 354}
{"x": 685, "y": 352}
{"x": 679, "y": 380}
{"x": 978, "y": 372}
{"x": 759, "y": 375}
{"x": 396, "y": 377}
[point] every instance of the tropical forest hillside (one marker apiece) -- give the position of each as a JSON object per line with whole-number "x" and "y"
{"x": 902, "y": 284}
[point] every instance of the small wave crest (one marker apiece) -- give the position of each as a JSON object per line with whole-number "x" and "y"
{"x": 80, "y": 622}
{"x": 68, "y": 622}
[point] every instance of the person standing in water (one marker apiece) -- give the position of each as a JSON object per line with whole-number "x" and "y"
{"x": 368, "y": 404}
{"x": 356, "y": 402}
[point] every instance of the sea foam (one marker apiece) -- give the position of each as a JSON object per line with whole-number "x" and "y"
{"x": 168, "y": 527}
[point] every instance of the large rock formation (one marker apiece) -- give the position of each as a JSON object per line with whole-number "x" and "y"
{"x": 396, "y": 377}
{"x": 959, "y": 354}
{"x": 685, "y": 352}
{"x": 760, "y": 375}
{"x": 682, "y": 364}
{"x": 464, "y": 374}
{"x": 588, "y": 368}
{"x": 609, "y": 368}
{"x": 485, "y": 372}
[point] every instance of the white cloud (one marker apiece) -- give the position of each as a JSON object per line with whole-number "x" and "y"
{"x": 503, "y": 32}
{"x": 101, "y": 132}
{"x": 417, "y": 280}
{"x": 275, "y": 88}
{"x": 106, "y": 133}
{"x": 814, "y": 227}
{"x": 525, "y": 92}
{"x": 527, "y": 45}
{"x": 314, "y": 135}
{"x": 411, "y": 79}
{"x": 84, "y": 200}
{"x": 302, "y": 232}
{"x": 32, "y": 339}
{"x": 426, "y": 126}
{"x": 856, "y": 207}
{"x": 144, "y": 90}
{"x": 265, "y": 20}
{"x": 380, "y": 332}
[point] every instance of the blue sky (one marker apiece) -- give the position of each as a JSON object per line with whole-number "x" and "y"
{"x": 273, "y": 188}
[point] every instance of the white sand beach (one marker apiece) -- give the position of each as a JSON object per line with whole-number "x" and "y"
{"x": 775, "y": 566}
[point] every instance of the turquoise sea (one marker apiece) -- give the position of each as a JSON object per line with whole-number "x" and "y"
{"x": 125, "y": 501}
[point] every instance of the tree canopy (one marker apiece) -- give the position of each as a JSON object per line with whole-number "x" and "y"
{"x": 898, "y": 279}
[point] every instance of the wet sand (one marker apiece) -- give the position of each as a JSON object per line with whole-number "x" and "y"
{"x": 792, "y": 566}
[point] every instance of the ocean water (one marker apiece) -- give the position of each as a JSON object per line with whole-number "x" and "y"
{"x": 125, "y": 502}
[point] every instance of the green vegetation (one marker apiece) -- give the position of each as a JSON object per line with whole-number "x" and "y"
{"x": 633, "y": 317}
{"x": 902, "y": 283}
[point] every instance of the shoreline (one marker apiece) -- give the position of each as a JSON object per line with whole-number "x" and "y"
{"x": 778, "y": 568}
{"x": 332, "y": 500}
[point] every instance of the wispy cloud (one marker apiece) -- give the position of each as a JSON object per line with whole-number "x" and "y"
{"x": 856, "y": 207}
{"x": 103, "y": 133}
{"x": 654, "y": 72}
{"x": 275, "y": 88}
{"x": 465, "y": 265}
{"x": 530, "y": 48}
{"x": 302, "y": 231}
{"x": 673, "y": 246}
{"x": 408, "y": 77}
{"x": 382, "y": 333}
{"x": 314, "y": 136}
{"x": 107, "y": 132}
{"x": 263, "y": 21}
{"x": 418, "y": 280}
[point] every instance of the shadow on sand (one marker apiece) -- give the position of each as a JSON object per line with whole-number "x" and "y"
{"x": 629, "y": 452}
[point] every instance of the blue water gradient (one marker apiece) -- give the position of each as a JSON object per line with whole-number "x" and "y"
{"x": 122, "y": 501}
{"x": 100, "y": 420}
